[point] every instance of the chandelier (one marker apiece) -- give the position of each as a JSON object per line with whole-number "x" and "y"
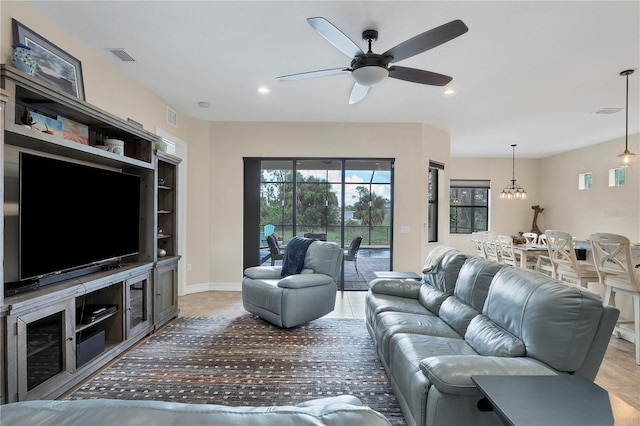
{"x": 627, "y": 158}
{"x": 513, "y": 191}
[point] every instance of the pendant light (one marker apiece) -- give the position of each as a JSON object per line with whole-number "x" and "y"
{"x": 627, "y": 158}
{"x": 513, "y": 191}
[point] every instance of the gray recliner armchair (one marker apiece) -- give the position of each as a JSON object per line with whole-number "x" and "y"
{"x": 299, "y": 298}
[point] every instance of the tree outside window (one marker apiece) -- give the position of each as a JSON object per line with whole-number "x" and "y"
{"x": 469, "y": 209}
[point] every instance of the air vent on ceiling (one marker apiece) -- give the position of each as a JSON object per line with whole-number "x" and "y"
{"x": 608, "y": 110}
{"x": 172, "y": 117}
{"x": 122, "y": 54}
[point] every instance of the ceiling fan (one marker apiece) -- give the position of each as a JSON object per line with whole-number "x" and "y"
{"x": 370, "y": 69}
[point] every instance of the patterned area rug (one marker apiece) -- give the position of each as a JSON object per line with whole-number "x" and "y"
{"x": 246, "y": 361}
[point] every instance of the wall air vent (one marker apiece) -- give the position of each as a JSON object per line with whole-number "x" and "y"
{"x": 172, "y": 117}
{"x": 121, "y": 54}
{"x": 608, "y": 111}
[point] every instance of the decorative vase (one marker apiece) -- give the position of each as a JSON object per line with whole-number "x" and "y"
{"x": 161, "y": 145}
{"x": 23, "y": 59}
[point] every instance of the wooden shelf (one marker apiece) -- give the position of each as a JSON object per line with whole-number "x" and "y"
{"x": 80, "y": 327}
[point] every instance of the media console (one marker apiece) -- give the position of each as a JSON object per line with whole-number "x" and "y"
{"x": 60, "y": 330}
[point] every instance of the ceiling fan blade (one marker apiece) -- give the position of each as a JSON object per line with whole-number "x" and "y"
{"x": 358, "y": 93}
{"x": 419, "y": 76}
{"x": 427, "y": 40}
{"x": 313, "y": 74}
{"x": 336, "y": 37}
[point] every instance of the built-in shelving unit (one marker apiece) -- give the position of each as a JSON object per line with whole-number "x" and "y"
{"x": 166, "y": 275}
{"x": 56, "y": 336}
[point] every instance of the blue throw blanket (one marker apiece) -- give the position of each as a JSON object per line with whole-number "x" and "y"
{"x": 293, "y": 261}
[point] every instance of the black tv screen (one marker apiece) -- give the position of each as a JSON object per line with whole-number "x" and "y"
{"x": 72, "y": 216}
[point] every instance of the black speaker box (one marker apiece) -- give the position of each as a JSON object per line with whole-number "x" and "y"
{"x": 90, "y": 345}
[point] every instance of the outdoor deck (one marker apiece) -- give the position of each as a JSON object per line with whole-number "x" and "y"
{"x": 369, "y": 261}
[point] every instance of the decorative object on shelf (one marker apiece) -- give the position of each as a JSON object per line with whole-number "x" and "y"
{"x": 47, "y": 131}
{"x": 161, "y": 181}
{"x": 23, "y": 59}
{"x": 160, "y": 234}
{"x": 513, "y": 191}
{"x": 627, "y": 158}
{"x": 27, "y": 119}
{"x": 54, "y": 126}
{"x": 74, "y": 131}
{"x": 115, "y": 145}
{"x": 534, "y": 226}
{"x": 53, "y": 65}
{"x": 161, "y": 145}
{"x": 162, "y": 252}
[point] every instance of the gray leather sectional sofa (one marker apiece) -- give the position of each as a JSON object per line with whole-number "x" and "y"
{"x": 471, "y": 316}
{"x": 343, "y": 410}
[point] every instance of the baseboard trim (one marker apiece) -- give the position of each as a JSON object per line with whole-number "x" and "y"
{"x": 200, "y": 288}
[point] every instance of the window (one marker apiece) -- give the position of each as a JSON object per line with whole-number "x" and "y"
{"x": 585, "y": 181}
{"x": 434, "y": 169}
{"x": 469, "y": 206}
{"x": 617, "y": 176}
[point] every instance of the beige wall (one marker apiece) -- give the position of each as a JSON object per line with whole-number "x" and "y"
{"x": 600, "y": 209}
{"x": 409, "y": 144}
{"x": 106, "y": 86}
{"x": 508, "y": 217}
{"x": 110, "y": 89}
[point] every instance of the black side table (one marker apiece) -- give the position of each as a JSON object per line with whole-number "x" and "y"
{"x": 546, "y": 400}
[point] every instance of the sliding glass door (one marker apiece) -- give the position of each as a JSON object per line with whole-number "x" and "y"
{"x": 337, "y": 200}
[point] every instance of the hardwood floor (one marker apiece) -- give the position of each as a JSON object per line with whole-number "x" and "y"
{"x": 618, "y": 374}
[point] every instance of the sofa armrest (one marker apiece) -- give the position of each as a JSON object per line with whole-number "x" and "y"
{"x": 305, "y": 280}
{"x": 263, "y": 272}
{"x": 408, "y": 288}
{"x": 452, "y": 373}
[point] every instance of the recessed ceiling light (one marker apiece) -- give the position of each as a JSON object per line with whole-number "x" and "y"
{"x": 203, "y": 104}
{"x": 449, "y": 92}
{"x": 263, "y": 90}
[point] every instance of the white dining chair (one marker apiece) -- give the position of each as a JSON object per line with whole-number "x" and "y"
{"x": 543, "y": 262}
{"x": 614, "y": 262}
{"x": 542, "y": 239}
{"x": 566, "y": 265}
{"x": 478, "y": 241}
{"x": 492, "y": 248}
{"x": 530, "y": 237}
{"x": 506, "y": 253}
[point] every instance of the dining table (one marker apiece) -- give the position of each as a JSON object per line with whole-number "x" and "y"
{"x": 527, "y": 250}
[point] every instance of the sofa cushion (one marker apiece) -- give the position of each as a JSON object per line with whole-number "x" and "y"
{"x": 405, "y": 353}
{"x": 432, "y": 298}
{"x": 488, "y": 339}
{"x": 435, "y": 257}
{"x": 444, "y": 278}
{"x": 323, "y": 257}
{"x": 556, "y": 322}
{"x": 457, "y": 314}
{"x": 377, "y": 303}
{"x": 396, "y": 287}
{"x": 469, "y": 294}
{"x": 474, "y": 279}
{"x": 390, "y": 323}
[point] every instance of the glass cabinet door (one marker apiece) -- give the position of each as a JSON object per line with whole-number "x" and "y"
{"x": 138, "y": 309}
{"x": 45, "y": 353}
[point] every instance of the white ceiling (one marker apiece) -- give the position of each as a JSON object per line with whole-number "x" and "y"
{"x": 529, "y": 73}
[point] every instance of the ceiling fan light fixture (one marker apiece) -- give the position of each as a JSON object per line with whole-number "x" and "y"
{"x": 370, "y": 76}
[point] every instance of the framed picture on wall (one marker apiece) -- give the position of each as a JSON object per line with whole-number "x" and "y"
{"x": 54, "y": 65}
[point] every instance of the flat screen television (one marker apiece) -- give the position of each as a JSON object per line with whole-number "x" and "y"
{"x": 72, "y": 216}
